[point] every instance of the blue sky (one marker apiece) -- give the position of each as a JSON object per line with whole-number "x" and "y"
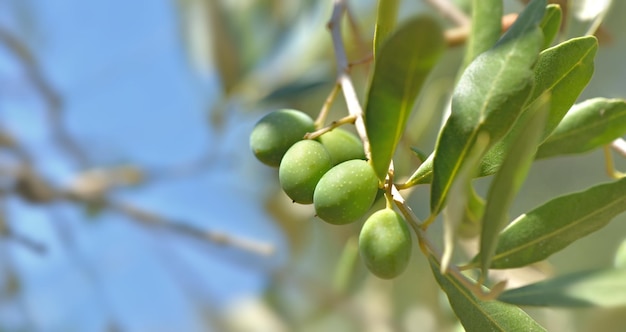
{"x": 130, "y": 97}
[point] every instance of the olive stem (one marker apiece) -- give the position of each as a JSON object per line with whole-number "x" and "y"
{"x": 343, "y": 79}
{"x": 429, "y": 249}
{"x": 321, "y": 117}
{"x": 345, "y": 120}
{"x": 610, "y": 165}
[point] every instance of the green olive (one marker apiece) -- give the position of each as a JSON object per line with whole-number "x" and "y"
{"x": 342, "y": 145}
{"x": 301, "y": 168}
{"x": 385, "y": 244}
{"x": 276, "y": 132}
{"x": 346, "y": 192}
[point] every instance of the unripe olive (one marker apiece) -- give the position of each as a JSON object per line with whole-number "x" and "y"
{"x": 345, "y": 192}
{"x": 385, "y": 244}
{"x": 342, "y": 145}
{"x": 276, "y": 132}
{"x": 301, "y": 168}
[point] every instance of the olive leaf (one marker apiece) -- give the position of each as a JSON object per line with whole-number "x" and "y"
{"x": 386, "y": 16}
{"x": 488, "y": 98}
{"x": 401, "y": 67}
{"x": 547, "y": 229}
{"x": 551, "y": 24}
{"x": 484, "y": 35}
{"x": 509, "y": 179}
{"x": 587, "y": 126}
{"x": 595, "y": 288}
{"x": 563, "y": 70}
{"x": 479, "y": 315}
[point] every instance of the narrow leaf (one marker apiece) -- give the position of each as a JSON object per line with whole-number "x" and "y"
{"x": 459, "y": 197}
{"x": 478, "y": 315}
{"x": 604, "y": 288}
{"x": 486, "y": 27}
{"x": 588, "y": 125}
{"x": 547, "y": 229}
{"x": 509, "y": 179}
{"x": 471, "y": 224}
{"x": 551, "y": 24}
{"x": 386, "y": 16}
{"x": 489, "y": 97}
{"x": 401, "y": 68}
{"x": 564, "y": 71}
{"x": 619, "y": 261}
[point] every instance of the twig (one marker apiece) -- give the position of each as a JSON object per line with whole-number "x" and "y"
{"x": 152, "y": 219}
{"x": 35, "y": 189}
{"x": 333, "y": 125}
{"x": 321, "y": 117}
{"x": 52, "y": 99}
{"x": 8, "y": 233}
{"x": 343, "y": 79}
{"x": 429, "y": 249}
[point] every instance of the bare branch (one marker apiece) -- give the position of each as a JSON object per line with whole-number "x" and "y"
{"x": 51, "y": 98}
{"x": 151, "y": 219}
{"x": 343, "y": 79}
{"x": 33, "y": 188}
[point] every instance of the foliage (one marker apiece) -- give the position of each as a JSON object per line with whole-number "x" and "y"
{"x": 512, "y": 105}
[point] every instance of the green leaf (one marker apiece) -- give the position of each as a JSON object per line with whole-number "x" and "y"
{"x": 588, "y": 125}
{"x": 386, "y": 16}
{"x": 421, "y": 156}
{"x": 478, "y": 315}
{"x": 551, "y": 24}
{"x": 471, "y": 224}
{"x": 401, "y": 68}
{"x": 619, "y": 261}
{"x": 563, "y": 70}
{"x": 536, "y": 235}
{"x": 509, "y": 179}
{"x": 604, "y": 288}
{"x": 487, "y": 27}
{"x": 460, "y": 195}
{"x": 488, "y": 98}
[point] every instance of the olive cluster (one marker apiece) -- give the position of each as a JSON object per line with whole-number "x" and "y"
{"x": 331, "y": 173}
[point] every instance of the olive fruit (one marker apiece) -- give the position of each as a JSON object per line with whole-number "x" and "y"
{"x": 276, "y": 132}
{"x": 342, "y": 145}
{"x": 301, "y": 168}
{"x": 385, "y": 244}
{"x": 345, "y": 192}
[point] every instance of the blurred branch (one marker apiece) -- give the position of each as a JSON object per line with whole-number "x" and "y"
{"x": 152, "y": 219}
{"x": 91, "y": 188}
{"x": 51, "y": 98}
{"x": 7, "y": 232}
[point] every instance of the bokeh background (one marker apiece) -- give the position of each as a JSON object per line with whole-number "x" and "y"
{"x": 130, "y": 200}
